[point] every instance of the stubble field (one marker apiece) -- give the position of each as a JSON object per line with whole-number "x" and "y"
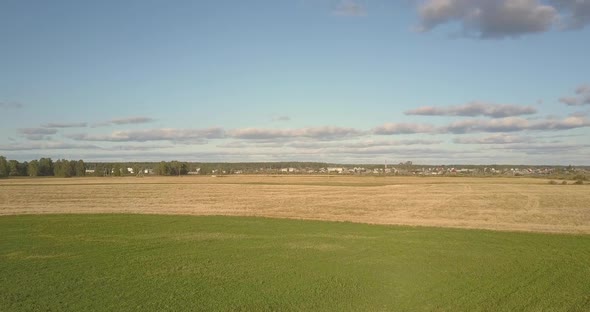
{"x": 514, "y": 204}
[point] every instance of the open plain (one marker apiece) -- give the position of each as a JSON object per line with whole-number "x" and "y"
{"x": 512, "y": 204}
{"x": 107, "y": 244}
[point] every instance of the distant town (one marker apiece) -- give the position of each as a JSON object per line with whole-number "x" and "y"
{"x": 402, "y": 169}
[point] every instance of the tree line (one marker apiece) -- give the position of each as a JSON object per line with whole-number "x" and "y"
{"x": 46, "y": 167}
{"x": 43, "y": 167}
{"x": 65, "y": 168}
{"x": 172, "y": 168}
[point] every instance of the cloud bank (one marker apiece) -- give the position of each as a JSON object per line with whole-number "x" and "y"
{"x": 473, "y": 109}
{"x": 500, "y": 138}
{"x": 167, "y": 134}
{"x": 514, "y": 124}
{"x": 37, "y": 134}
{"x": 29, "y": 146}
{"x": 320, "y": 133}
{"x": 125, "y": 121}
{"x": 403, "y": 128}
{"x": 65, "y": 125}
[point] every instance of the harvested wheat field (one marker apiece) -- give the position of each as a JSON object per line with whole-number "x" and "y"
{"x": 512, "y": 204}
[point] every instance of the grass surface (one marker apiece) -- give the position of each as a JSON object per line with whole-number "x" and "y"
{"x": 183, "y": 263}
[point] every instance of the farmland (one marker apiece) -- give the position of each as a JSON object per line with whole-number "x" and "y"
{"x": 187, "y": 263}
{"x": 513, "y": 204}
{"x": 231, "y": 243}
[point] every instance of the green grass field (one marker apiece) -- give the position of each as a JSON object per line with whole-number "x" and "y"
{"x": 182, "y": 263}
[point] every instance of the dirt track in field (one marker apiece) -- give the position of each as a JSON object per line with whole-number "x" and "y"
{"x": 517, "y": 204}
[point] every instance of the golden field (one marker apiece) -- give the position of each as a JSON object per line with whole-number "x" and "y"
{"x": 511, "y": 204}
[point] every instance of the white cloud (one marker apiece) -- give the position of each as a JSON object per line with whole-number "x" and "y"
{"x": 320, "y": 133}
{"x": 473, "y": 109}
{"x": 507, "y": 124}
{"x": 363, "y": 143}
{"x": 132, "y": 120}
{"x": 168, "y": 134}
{"x": 65, "y": 125}
{"x": 37, "y": 133}
{"x": 44, "y": 131}
{"x": 500, "y": 138}
{"x": 514, "y": 124}
{"x": 125, "y": 121}
{"x": 46, "y": 146}
{"x": 557, "y": 149}
{"x": 403, "y": 128}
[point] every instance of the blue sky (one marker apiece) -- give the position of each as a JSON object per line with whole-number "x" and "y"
{"x": 433, "y": 81}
